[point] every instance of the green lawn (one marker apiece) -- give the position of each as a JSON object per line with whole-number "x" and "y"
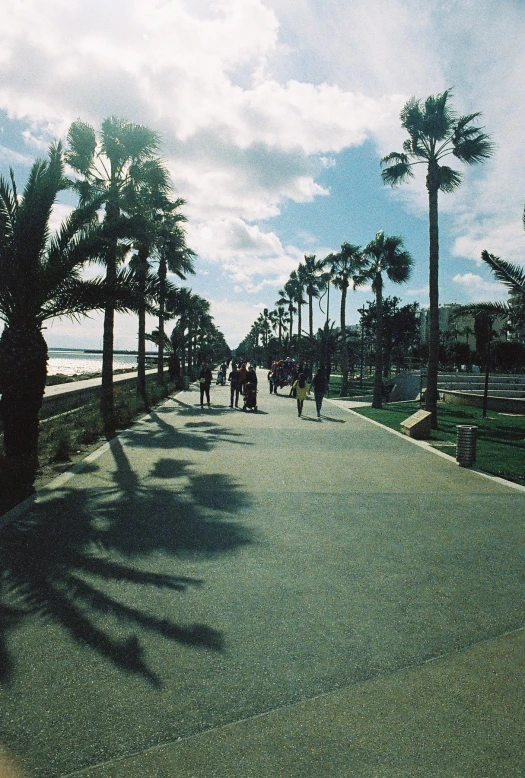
{"x": 354, "y": 389}
{"x": 500, "y": 437}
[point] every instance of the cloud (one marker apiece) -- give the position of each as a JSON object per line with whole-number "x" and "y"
{"x": 255, "y": 99}
{"x": 506, "y": 240}
{"x": 238, "y": 141}
{"x": 477, "y": 289}
{"x": 235, "y": 319}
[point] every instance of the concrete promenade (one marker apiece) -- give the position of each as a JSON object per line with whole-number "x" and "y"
{"x": 254, "y": 595}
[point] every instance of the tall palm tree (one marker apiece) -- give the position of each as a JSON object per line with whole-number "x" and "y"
{"x": 159, "y": 238}
{"x": 313, "y": 285}
{"x": 325, "y": 279}
{"x": 198, "y": 310}
{"x": 435, "y": 132}
{"x": 112, "y": 167}
{"x": 298, "y": 280}
{"x": 41, "y": 280}
{"x": 286, "y": 298}
{"x": 279, "y": 320}
{"x": 175, "y": 257}
{"x": 343, "y": 267}
{"x": 384, "y": 254}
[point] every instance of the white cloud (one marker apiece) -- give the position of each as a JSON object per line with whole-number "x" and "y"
{"x": 478, "y": 289}
{"x": 254, "y": 99}
{"x": 506, "y": 240}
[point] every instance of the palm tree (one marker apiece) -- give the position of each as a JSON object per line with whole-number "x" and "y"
{"x": 112, "y": 168}
{"x": 279, "y": 320}
{"x": 298, "y": 280}
{"x": 343, "y": 267}
{"x": 294, "y": 289}
{"x": 174, "y": 256}
{"x": 159, "y": 238}
{"x": 198, "y": 314}
{"x": 435, "y": 132}
{"x": 325, "y": 279}
{"x": 41, "y": 280}
{"x": 313, "y": 285}
{"x": 384, "y": 254}
{"x": 286, "y": 298}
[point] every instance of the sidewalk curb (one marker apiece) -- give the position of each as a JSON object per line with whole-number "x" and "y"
{"x": 427, "y": 447}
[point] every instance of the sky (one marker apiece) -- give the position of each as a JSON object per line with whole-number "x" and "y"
{"x": 273, "y": 117}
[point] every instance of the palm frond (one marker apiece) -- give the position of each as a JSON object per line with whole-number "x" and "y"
{"x": 473, "y": 148}
{"x": 513, "y": 276}
{"x": 397, "y": 169}
{"x": 76, "y": 297}
{"x": 449, "y": 179}
{"x": 495, "y": 310}
{"x": 82, "y": 144}
{"x": 439, "y": 118}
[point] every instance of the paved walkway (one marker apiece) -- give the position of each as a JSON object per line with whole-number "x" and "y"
{"x": 248, "y": 595}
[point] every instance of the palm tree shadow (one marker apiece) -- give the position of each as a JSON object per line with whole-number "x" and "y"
{"x": 59, "y": 562}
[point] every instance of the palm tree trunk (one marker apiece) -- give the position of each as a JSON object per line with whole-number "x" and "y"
{"x": 378, "y": 377}
{"x": 344, "y": 344}
{"x": 311, "y": 315}
{"x": 190, "y": 347}
{"x": 433, "y": 288}
{"x": 162, "y": 303}
{"x": 141, "y": 337}
{"x": 23, "y": 371}
{"x": 107, "y": 396}
{"x": 299, "y": 328}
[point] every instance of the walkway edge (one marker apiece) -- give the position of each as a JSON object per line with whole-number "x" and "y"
{"x": 428, "y": 447}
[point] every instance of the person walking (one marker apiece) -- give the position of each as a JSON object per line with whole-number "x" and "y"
{"x": 243, "y": 372}
{"x": 205, "y": 379}
{"x": 301, "y": 389}
{"x": 235, "y": 385}
{"x": 319, "y": 386}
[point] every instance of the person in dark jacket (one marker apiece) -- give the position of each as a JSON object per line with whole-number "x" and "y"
{"x": 235, "y": 385}
{"x": 319, "y": 387}
{"x": 205, "y": 379}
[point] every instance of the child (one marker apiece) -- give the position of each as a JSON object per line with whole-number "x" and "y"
{"x": 301, "y": 391}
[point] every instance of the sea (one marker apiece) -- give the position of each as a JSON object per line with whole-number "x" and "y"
{"x": 75, "y": 362}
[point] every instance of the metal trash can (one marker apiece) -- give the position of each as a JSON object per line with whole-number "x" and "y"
{"x": 466, "y": 445}
{"x": 185, "y": 382}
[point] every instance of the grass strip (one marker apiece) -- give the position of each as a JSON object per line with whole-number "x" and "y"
{"x": 500, "y": 448}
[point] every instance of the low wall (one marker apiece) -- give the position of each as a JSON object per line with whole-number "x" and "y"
{"x": 494, "y": 403}
{"x": 66, "y": 397}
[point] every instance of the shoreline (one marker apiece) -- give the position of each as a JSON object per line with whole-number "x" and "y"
{"x": 55, "y": 379}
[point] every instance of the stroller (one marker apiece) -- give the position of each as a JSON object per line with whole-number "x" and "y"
{"x": 250, "y": 396}
{"x": 220, "y": 378}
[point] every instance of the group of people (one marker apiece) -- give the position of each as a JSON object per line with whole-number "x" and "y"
{"x": 302, "y": 388}
{"x": 240, "y": 378}
{"x": 243, "y": 379}
{"x": 283, "y": 373}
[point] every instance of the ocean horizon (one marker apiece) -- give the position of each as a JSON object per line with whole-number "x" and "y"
{"x": 71, "y": 362}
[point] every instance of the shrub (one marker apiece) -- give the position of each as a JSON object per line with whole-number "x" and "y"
{"x": 61, "y": 450}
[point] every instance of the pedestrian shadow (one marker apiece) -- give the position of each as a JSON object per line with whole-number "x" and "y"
{"x": 61, "y": 561}
{"x": 330, "y": 418}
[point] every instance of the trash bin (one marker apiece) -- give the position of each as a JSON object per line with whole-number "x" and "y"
{"x": 185, "y": 382}
{"x": 466, "y": 445}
